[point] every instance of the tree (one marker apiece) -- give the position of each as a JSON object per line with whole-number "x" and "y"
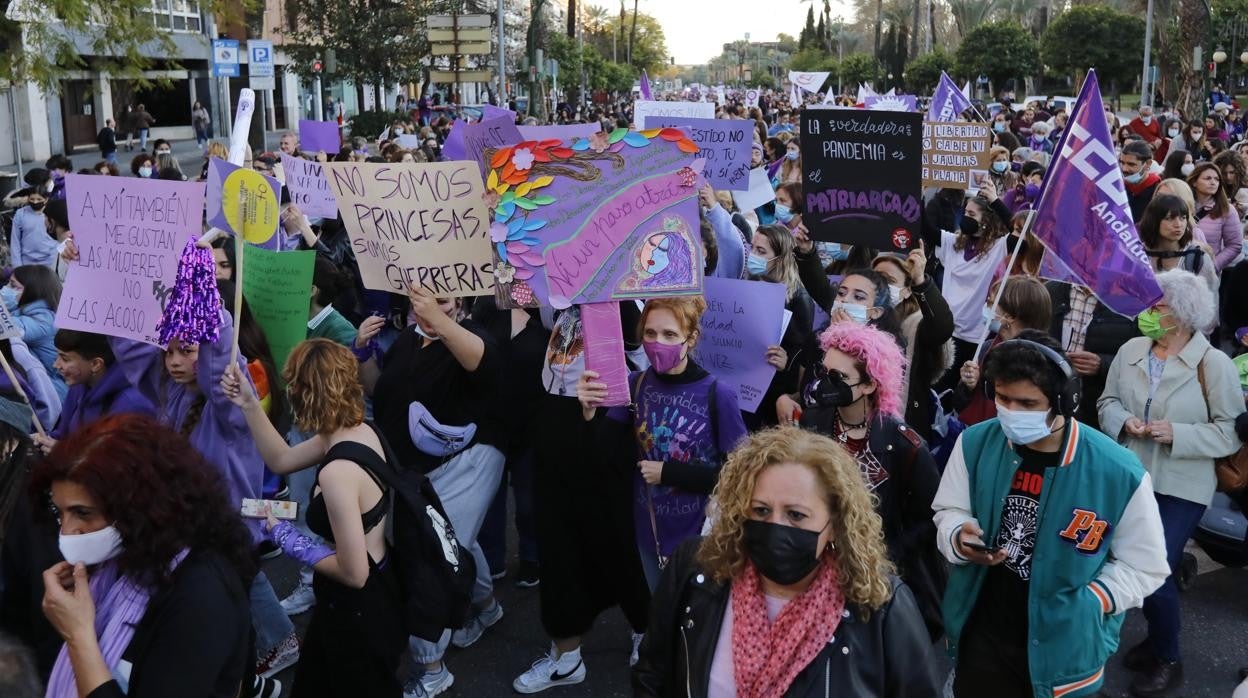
{"x": 1001, "y": 50}
{"x": 807, "y": 37}
{"x": 811, "y": 60}
{"x": 856, "y": 68}
{"x": 1094, "y": 36}
{"x": 338, "y": 25}
{"x": 923, "y": 73}
{"x": 122, "y": 35}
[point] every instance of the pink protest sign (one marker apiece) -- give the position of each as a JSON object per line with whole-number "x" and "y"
{"x": 309, "y": 190}
{"x": 317, "y": 136}
{"x": 604, "y": 350}
{"x": 561, "y": 132}
{"x": 129, "y": 234}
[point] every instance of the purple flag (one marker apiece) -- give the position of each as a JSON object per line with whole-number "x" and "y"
{"x": 1083, "y": 217}
{"x": 317, "y": 136}
{"x": 645, "y": 86}
{"x": 489, "y": 111}
{"x": 948, "y": 102}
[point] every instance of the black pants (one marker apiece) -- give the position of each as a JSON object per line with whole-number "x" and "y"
{"x": 989, "y": 668}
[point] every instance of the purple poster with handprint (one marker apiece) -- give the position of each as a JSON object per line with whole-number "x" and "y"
{"x": 593, "y": 220}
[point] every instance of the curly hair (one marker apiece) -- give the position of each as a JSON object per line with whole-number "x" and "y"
{"x": 877, "y": 357}
{"x": 323, "y": 384}
{"x": 119, "y": 459}
{"x": 860, "y": 557}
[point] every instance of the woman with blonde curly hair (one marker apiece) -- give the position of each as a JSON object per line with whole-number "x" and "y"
{"x": 857, "y": 399}
{"x": 792, "y": 593}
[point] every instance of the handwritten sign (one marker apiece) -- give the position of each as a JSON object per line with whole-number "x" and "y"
{"x": 9, "y": 327}
{"x": 955, "y": 155}
{"x": 861, "y": 175}
{"x": 416, "y": 223}
{"x": 742, "y": 319}
{"x": 644, "y": 109}
{"x": 317, "y": 136}
{"x": 491, "y": 133}
{"x": 723, "y": 143}
{"x": 604, "y": 350}
{"x": 309, "y": 190}
{"x": 607, "y": 218}
{"x": 276, "y": 286}
{"x": 130, "y": 234}
{"x": 242, "y": 201}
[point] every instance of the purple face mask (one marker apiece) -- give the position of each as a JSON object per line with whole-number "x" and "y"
{"x": 663, "y": 357}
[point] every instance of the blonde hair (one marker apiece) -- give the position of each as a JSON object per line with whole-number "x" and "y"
{"x": 323, "y": 384}
{"x": 783, "y": 267}
{"x": 861, "y": 557}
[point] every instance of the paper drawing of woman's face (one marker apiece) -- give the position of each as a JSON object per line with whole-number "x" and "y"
{"x": 654, "y": 253}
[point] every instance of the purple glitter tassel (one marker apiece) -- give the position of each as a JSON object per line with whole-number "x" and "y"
{"x": 193, "y": 313}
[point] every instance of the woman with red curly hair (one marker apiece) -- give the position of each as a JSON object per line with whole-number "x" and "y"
{"x": 151, "y": 599}
{"x": 857, "y": 399}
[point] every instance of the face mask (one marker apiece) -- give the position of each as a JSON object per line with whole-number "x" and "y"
{"x": 1146, "y": 120}
{"x": 783, "y": 554}
{"x": 894, "y": 294}
{"x": 1000, "y": 166}
{"x": 145, "y": 172}
{"x": 1187, "y": 168}
{"x": 831, "y": 390}
{"x": 792, "y": 155}
{"x": 1197, "y": 134}
{"x": 834, "y": 250}
{"x": 994, "y": 323}
{"x": 999, "y": 127}
{"x": 1023, "y": 426}
{"x": 784, "y": 214}
{"x": 9, "y": 296}
{"x": 756, "y": 265}
{"x": 39, "y": 206}
{"x": 1149, "y": 323}
{"x": 91, "y": 548}
{"x": 857, "y": 313}
{"x": 663, "y": 357}
{"x": 969, "y": 227}
{"x": 1133, "y": 178}
{"x": 1031, "y": 191}
{"x": 422, "y": 333}
{"x": 163, "y": 152}
{"x": 1174, "y": 133}
{"x": 398, "y": 132}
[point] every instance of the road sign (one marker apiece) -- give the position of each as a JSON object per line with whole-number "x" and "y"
{"x": 260, "y": 65}
{"x": 448, "y": 35}
{"x": 446, "y": 76}
{"x": 464, "y": 48}
{"x": 462, "y": 21}
{"x": 225, "y": 58}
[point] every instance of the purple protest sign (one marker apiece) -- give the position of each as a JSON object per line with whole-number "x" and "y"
{"x": 607, "y": 218}
{"x": 244, "y": 202}
{"x": 309, "y": 190}
{"x": 724, "y": 144}
{"x": 129, "y": 234}
{"x": 564, "y": 132}
{"x": 892, "y": 103}
{"x": 490, "y": 112}
{"x": 742, "y": 319}
{"x": 317, "y": 136}
{"x": 491, "y": 133}
{"x": 604, "y": 350}
{"x": 454, "y": 148}
{"x": 1083, "y": 217}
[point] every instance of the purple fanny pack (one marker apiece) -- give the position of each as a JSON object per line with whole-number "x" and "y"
{"x": 434, "y": 438}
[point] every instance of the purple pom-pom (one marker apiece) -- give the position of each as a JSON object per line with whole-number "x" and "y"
{"x": 193, "y": 313}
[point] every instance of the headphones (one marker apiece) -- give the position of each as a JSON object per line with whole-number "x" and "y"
{"x": 1070, "y": 388}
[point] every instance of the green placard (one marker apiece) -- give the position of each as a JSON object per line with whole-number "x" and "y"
{"x": 278, "y": 288}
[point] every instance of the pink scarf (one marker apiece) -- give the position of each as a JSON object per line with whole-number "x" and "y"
{"x": 766, "y": 656}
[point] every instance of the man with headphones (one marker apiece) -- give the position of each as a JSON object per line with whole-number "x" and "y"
{"x": 1052, "y": 531}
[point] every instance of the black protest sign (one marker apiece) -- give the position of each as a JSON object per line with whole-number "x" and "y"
{"x": 861, "y": 175}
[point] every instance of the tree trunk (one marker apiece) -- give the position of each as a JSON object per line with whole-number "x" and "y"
{"x": 632, "y": 34}
{"x": 1193, "y": 27}
{"x": 571, "y": 19}
{"x": 914, "y": 34}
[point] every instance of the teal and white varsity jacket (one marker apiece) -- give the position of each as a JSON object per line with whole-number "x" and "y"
{"x": 1099, "y": 548}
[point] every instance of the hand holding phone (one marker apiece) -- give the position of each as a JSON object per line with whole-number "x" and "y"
{"x": 981, "y": 547}
{"x": 971, "y": 546}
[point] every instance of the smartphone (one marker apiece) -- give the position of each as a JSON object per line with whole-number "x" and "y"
{"x": 990, "y": 549}
{"x": 281, "y": 509}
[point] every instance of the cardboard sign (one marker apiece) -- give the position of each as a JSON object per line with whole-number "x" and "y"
{"x": 602, "y": 219}
{"x": 309, "y": 190}
{"x": 644, "y": 109}
{"x": 276, "y": 286}
{"x": 130, "y": 234}
{"x": 742, "y": 319}
{"x": 724, "y": 144}
{"x": 955, "y": 155}
{"x": 760, "y": 192}
{"x": 416, "y": 223}
{"x": 483, "y": 135}
{"x": 317, "y": 136}
{"x": 604, "y": 350}
{"x": 861, "y": 176}
{"x": 8, "y": 326}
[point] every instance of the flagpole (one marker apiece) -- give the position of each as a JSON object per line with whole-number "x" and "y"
{"x": 996, "y": 301}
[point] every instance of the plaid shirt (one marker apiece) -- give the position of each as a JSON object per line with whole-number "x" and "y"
{"x": 1075, "y": 326}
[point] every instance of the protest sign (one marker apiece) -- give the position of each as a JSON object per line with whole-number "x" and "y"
{"x": 861, "y": 177}
{"x": 760, "y": 192}
{"x": 416, "y": 223}
{"x": 955, "y": 155}
{"x": 723, "y": 143}
{"x": 643, "y": 109}
{"x": 564, "y": 132}
{"x": 242, "y": 201}
{"x": 305, "y": 180}
{"x": 742, "y": 319}
{"x": 129, "y": 234}
{"x": 811, "y": 82}
{"x": 491, "y": 133}
{"x": 277, "y": 286}
{"x": 751, "y": 98}
{"x": 604, "y": 350}
{"x": 318, "y": 136}
{"x": 409, "y": 141}
{"x": 8, "y": 327}
{"x": 610, "y": 217}
{"x": 892, "y": 103}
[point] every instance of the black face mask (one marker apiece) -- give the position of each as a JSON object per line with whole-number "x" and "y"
{"x": 970, "y": 226}
{"x": 38, "y": 206}
{"x": 783, "y": 554}
{"x": 830, "y": 390}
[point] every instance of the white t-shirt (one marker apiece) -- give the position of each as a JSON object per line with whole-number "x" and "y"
{"x": 723, "y": 683}
{"x": 966, "y": 284}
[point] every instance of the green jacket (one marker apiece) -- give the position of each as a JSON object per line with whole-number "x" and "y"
{"x": 333, "y": 326}
{"x": 1099, "y": 548}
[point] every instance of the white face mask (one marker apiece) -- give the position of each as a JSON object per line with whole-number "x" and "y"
{"x": 1023, "y": 426}
{"x": 91, "y": 548}
{"x": 1187, "y": 168}
{"x": 894, "y": 293}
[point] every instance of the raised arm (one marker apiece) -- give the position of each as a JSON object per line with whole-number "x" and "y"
{"x": 277, "y": 454}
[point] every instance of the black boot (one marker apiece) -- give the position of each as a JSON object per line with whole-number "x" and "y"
{"x": 1159, "y": 681}
{"x": 1141, "y": 657}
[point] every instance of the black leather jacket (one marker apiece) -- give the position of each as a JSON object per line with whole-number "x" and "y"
{"x": 885, "y": 654}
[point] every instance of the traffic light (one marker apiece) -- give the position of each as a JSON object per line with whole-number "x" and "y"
{"x": 317, "y": 66}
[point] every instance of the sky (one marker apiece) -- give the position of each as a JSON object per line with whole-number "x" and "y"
{"x": 696, "y": 30}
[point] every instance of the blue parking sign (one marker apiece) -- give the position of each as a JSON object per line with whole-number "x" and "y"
{"x": 225, "y": 58}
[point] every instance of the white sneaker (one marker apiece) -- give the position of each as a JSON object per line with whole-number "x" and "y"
{"x": 300, "y": 600}
{"x": 551, "y": 671}
{"x": 470, "y": 633}
{"x": 637, "y": 638}
{"x": 430, "y": 683}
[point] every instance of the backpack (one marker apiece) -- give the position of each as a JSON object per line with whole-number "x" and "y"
{"x": 436, "y": 572}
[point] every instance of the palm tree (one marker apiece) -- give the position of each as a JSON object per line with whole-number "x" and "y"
{"x": 632, "y": 34}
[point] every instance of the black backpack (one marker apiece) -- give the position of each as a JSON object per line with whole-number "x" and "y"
{"x": 436, "y": 572}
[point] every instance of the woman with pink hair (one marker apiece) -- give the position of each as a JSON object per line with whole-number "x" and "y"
{"x": 856, "y": 398}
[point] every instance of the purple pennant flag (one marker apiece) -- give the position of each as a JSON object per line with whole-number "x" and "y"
{"x": 948, "y": 102}
{"x": 645, "y": 86}
{"x": 1083, "y": 218}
